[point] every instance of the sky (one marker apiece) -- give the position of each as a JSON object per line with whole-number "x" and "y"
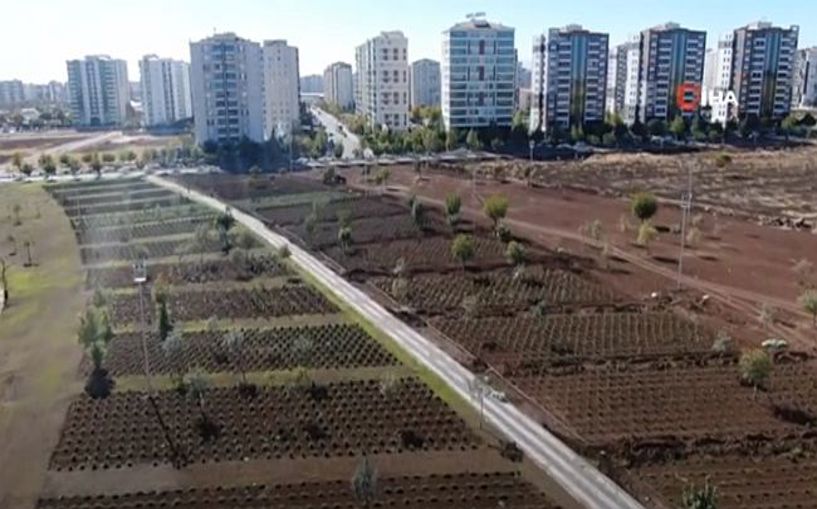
{"x": 38, "y": 36}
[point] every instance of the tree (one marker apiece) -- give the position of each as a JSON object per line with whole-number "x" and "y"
{"x": 705, "y": 497}
{"x": 788, "y": 125}
{"x": 338, "y": 150}
{"x": 755, "y": 368}
{"x": 96, "y": 164}
{"x": 302, "y": 350}
{"x": 108, "y": 157}
{"x": 495, "y": 208}
{"x": 418, "y": 215}
{"x": 646, "y": 234}
{"x": 172, "y": 348}
{"x": 479, "y": 387}
{"x": 364, "y": 482}
{"x": 27, "y": 243}
{"x": 678, "y": 127}
{"x": 345, "y": 238}
{"x": 233, "y": 342}
{"x": 65, "y": 159}
{"x": 17, "y": 161}
{"x": 515, "y": 253}
{"x": 27, "y": 169}
{"x": 644, "y": 206}
{"x": 452, "y": 138}
{"x": 453, "y": 204}
{"x": 472, "y": 140}
{"x": 329, "y": 176}
{"x": 165, "y": 325}
{"x": 73, "y": 165}
{"x": 809, "y": 302}
{"x": 197, "y": 385}
{"x": 223, "y": 223}
{"x": 462, "y": 248}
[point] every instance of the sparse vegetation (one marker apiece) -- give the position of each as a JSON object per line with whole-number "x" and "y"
{"x": 755, "y": 368}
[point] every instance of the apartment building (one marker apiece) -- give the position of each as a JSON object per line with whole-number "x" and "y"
{"x": 12, "y": 92}
{"x": 165, "y": 90}
{"x": 312, "y": 84}
{"x": 425, "y": 83}
{"x": 338, "y": 89}
{"x": 763, "y": 60}
{"x": 383, "y": 80}
{"x": 478, "y": 75}
{"x": 281, "y": 85}
{"x": 573, "y": 85}
{"x": 625, "y": 79}
{"x": 227, "y": 85}
{"x": 670, "y": 56}
{"x": 98, "y": 90}
{"x": 717, "y": 78}
{"x": 804, "y": 93}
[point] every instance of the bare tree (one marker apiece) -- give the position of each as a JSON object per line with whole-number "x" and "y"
{"x": 479, "y": 388}
{"x": 364, "y": 482}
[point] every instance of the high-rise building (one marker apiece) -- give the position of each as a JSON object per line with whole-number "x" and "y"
{"x": 523, "y": 76}
{"x": 312, "y": 84}
{"x": 338, "y": 89}
{"x": 383, "y": 80}
{"x": 165, "y": 89}
{"x": 573, "y": 85}
{"x": 12, "y": 92}
{"x": 717, "y": 78}
{"x": 763, "y": 58}
{"x": 671, "y": 56}
{"x": 98, "y": 90}
{"x": 625, "y": 79}
{"x": 425, "y": 83}
{"x": 282, "y": 95}
{"x": 804, "y": 94}
{"x": 478, "y": 75}
{"x": 227, "y": 85}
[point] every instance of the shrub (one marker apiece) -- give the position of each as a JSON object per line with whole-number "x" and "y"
{"x": 705, "y": 497}
{"x": 515, "y": 253}
{"x": 644, "y": 206}
{"x": 495, "y": 208}
{"x": 462, "y": 248}
{"x": 809, "y": 302}
{"x": 755, "y": 368}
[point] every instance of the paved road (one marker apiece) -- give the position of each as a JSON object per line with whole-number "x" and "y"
{"x": 350, "y": 141}
{"x": 581, "y": 480}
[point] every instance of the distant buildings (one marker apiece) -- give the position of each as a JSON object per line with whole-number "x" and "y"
{"x": 165, "y": 90}
{"x": 763, "y": 65}
{"x": 717, "y": 79}
{"x": 281, "y": 85}
{"x": 383, "y": 80}
{"x": 624, "y": 78}
{"x": 338, "y": 88}
{"x": 12, "y": 93}
{"x": 425, "y": 83}
{"x": 478, "y": 75}
{"x": 570, "y": 79}
{"x": 804, "y": 93}
{"x": 312, "y": 84}
{"x": 670, "y": 56}
{"x": 98, "y": 91}
{"x": 226, "y": 81}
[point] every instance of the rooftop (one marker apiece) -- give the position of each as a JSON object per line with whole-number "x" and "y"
{"x": 478, "y": 24}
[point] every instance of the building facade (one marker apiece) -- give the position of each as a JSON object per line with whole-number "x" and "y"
{"x": 383, "y": 80}
{"x": 670, "y": 57}
{"x": 804, "y": 93}
{"x": 717, "y": 79}
{"x": 575, "y": 78}
{"x": 425, "y": 83}
{"x": 282, "y": 93}
{"x": 625, "y": 79}
{"x": 763, "y": 59}
{"x": 227, "y": 85}
{"x": 338, "y": 89}
{"x": 12, "y": 92}
{"x": 478, "y": 75}
{"x": 165, "y": 89}
{"x": 98, "y": 91}
{"x": 312, "y": 84}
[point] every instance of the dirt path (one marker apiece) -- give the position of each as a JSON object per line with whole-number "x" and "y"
{"x": 39, "y": 355}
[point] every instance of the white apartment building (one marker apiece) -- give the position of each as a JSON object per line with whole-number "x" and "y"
{"x": 282, "y": 94}
{"x": 337, "y": 85}
{"x": 98, "y": 90}
{"x": 717, "y": 78}
{"x": 383, "y": 80}
{"x": 165, "y": 90}
{"x": 227, "y": 85}
{"x": 425, "y": 83}
{"x": 804, "y": 94}
{"x": 571, "y": 78}
{"x": 763, "y": 58}
{"x": 625, "y": 79}
{"x": 478, "y": 75}
{"x": 671, "y": 56}
{"x": 12, "y": 92}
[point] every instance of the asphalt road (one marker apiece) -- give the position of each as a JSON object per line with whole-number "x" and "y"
{"x": 586, "y": 484}
{"x": 350, "y": 141}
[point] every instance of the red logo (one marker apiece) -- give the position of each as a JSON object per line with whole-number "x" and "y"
{"x": 688, "y": 97}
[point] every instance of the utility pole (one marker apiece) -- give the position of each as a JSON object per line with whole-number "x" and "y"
{"x": 686, "y": 207}
{"x": 140, "y": 278}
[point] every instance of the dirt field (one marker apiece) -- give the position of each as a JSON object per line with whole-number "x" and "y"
{"x": 39, "y": 356}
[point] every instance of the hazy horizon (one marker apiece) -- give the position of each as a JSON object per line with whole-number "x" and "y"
{"x": 325, "y": 31}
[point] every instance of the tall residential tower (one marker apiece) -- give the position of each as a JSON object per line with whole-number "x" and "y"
{"x": 425, "y": 83}
{"x": 478, "y": 75}
{"x": 98, "y": 90}
{"x": 383, "y": 80}
{"x": 282, "y": 95}
{"x": 165, "y": 90}
{"x": 337, "y": 85}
